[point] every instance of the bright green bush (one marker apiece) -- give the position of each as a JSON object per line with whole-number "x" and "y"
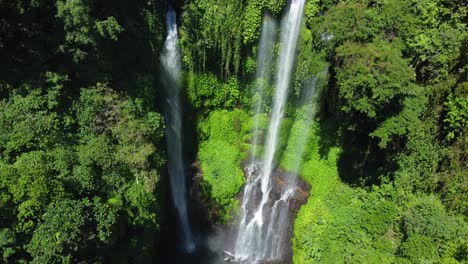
{"x": 311, "y": 11}
{"x": 221, "y": 152}
{"x": 221, "y": 168}
{"x": 250, "y": 65}
{"x": 252, "y": 22}
{"x": 419, "y": 249}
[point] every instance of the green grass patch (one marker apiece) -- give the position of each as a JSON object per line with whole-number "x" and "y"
{"x": 223, "y": 136}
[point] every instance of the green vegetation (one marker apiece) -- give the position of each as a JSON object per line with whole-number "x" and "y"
{"x": 392, "y": 225}
{"x": 205, "y": 92}
{"x": 82, "y": 159}
{"x": 221, "y": 152}
{"x": 68, "y": 180}
{"x": 80, "y": 136}
{"x": 381, "y": 190}
{"x": 386, "y": 157}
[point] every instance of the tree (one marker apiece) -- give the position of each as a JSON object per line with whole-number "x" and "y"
{"x": 62, "y": 233}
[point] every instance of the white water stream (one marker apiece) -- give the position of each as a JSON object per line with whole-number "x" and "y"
{"x": 252, "y": 244}
{"x": 170, "y": 60}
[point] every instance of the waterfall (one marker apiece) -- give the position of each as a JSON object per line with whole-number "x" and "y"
{"x": 251, "y": 244}
{"x": 262, "y": 76}
{"x": 170, "y": 60}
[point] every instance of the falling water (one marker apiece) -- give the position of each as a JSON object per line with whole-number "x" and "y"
{"x": 170, "y": 60}
{"x": 263, "y": 75}
{"x": 251, "y": 241}
{"x": 265, "y": 53}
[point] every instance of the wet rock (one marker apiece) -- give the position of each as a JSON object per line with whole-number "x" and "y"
{"x": 282, "y": 181}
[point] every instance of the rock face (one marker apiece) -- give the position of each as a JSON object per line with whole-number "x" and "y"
{"x": 281, "y": 180}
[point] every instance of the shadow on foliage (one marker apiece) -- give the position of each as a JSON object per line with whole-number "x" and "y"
{"x": 361, "y": 161}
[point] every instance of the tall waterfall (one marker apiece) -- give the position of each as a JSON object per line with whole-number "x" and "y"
{"x": 170, "y": 60}
{"x": 263, "y": 75}
{"x": 252, "y": 244}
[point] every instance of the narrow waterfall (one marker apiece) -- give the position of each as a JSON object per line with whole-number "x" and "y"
{"x": 262, "y": 76}
{"x": 290, "y": 29}
{"x": 251, "y": 244}
{"x": 170, "y": 60}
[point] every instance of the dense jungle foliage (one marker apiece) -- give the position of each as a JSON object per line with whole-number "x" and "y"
{"x": 82, "y": 153}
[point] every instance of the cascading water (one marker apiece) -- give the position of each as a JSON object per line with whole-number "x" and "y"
{"x": 251, "y": 244}
{"x": 263, "y": 75}
{"x": 277, "y": 239}
{"x": 265, "y": 53}
{"x": 170, "y": 60}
